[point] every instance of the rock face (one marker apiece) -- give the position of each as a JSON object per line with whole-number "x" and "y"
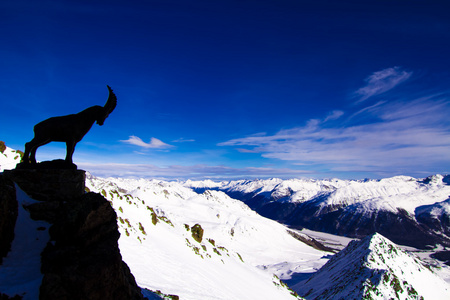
{"x": 49, "y": 184}
{"x": 82, "y": 259}
{"x": 8, "y": 215}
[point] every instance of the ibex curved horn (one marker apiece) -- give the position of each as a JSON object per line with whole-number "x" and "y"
{"x": 111, "y": 102}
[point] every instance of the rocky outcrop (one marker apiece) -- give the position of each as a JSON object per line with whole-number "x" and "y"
{"x": 49, "y": 184}
{"x": 82, "y": 259}
{"x": 8, "y": 215}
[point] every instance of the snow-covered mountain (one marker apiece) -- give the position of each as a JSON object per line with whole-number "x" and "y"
{"x": 9, "y": 158}
{"x": 203, "y": 246}
{"x": 407, "y": 210}
{"x": 374, "y": 268}
{"x": 193, "y": 240}
{"x": 161, "y": 221}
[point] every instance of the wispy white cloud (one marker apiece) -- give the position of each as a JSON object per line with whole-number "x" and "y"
{"x": 243, "y": 150}
{"x": 381, "y": 82}
{"x": 183, "y": 140}
{"x": 410, "y": 135}
{"x": 334, "y": 115}
{"x": 153, "y": 144}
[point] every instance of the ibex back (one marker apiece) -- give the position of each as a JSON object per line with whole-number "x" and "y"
{"x": 69, "y": 129}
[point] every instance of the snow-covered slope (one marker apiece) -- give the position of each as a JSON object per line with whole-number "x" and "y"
{"x": 20, "y": 273}
{"x": 9, "y": 158}
{"x": 374, "y": 268}
{"x": 436, "y": 216}
{"x": 240, "y": 250}
{"x": 353, "y": 208}
{"x": 202, "y": 246}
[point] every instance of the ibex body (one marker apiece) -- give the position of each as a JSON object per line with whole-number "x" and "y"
{"x": 69, "y": 129}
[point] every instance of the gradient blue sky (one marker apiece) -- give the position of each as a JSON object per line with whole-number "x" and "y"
{"x": 234, "y": 89}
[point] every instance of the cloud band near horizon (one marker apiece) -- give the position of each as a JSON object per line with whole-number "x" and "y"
{"x": 388, "y": 137}
{"x": 195, "y": 172}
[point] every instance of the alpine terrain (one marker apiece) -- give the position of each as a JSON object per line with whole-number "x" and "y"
{"x": 203, "y": 246}
{"x": 408, "y": 211}
{"x": 374, "y": 268}
{"x": 193, "y": 240}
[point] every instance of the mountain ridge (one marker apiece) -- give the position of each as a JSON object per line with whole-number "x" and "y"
{"x": 374, "y": 268}
{"x": 353, "y": 208}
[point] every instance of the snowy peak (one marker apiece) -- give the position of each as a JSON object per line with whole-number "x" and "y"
{"x": 9, "y": 158}
{"x": 374, "y": 268}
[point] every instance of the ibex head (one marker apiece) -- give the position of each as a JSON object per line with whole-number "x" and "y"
{"x": 109, "y": 106}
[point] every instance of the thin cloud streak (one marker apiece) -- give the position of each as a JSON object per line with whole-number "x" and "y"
{"x": 381, "y": 82}
{"x": 182, "y": 140}
{"x": 153, "y": 144}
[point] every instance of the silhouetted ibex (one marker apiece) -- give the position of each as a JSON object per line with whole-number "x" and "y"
{"x": 69, "y": 129}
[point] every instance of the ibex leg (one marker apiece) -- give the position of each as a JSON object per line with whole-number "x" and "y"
{"x": 70, "y": 150}
{"x": 26, "y": 154}
{"x": 30, "y": 150}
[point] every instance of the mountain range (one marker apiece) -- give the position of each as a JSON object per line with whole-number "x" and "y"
{"x": 162, "y": 220}
{"x": 243, "y": 239}
{"x": 408, "y": 211}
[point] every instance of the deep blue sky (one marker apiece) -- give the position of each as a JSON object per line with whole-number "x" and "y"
{"x": 234, "y": 89}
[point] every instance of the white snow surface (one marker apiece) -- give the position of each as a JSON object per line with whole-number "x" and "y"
{"x": 327, "y": 239}
{"x": 369, "y": 196}
{"x": 237, "y": 258}
{"x": 20, "y": 273}
{"x": 9, "y": 158}
{"x": 374, "y": 268}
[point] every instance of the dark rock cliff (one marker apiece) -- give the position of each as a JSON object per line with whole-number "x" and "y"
{"x": 82, "y": 260}
{"x": 8, "y": 215}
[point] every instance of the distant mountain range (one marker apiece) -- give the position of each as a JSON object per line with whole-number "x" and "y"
{"x": 408, "y": 211}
